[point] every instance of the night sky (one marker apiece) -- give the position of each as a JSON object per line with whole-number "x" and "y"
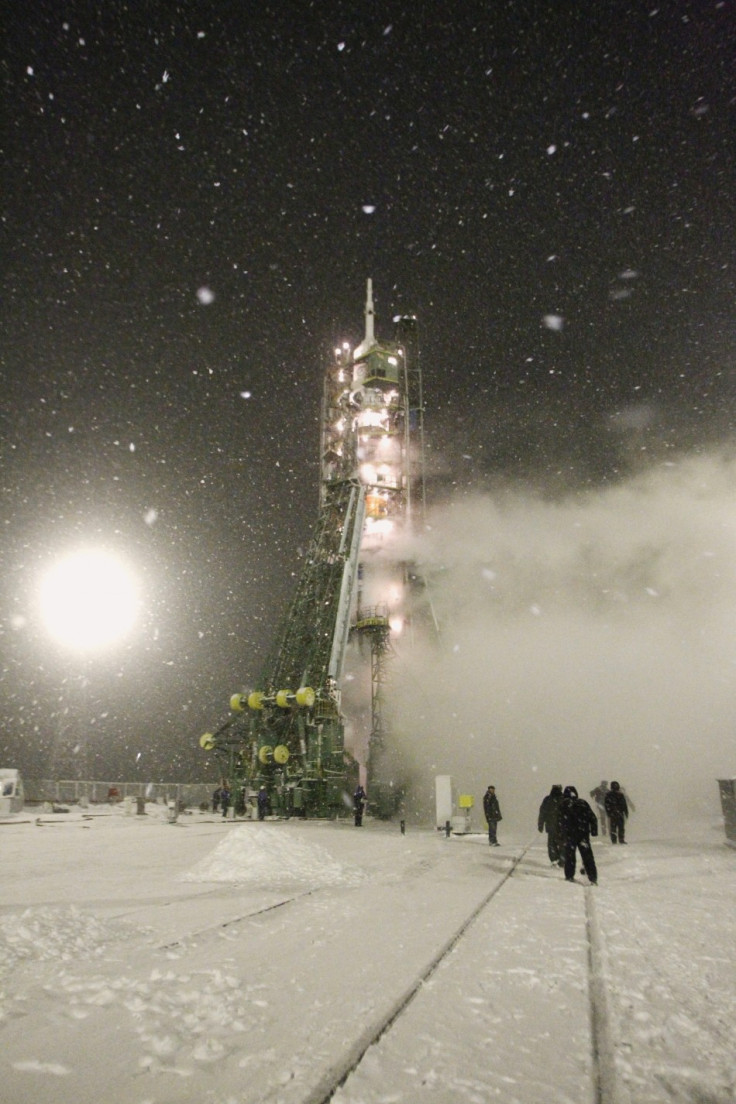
{"x": 193, "y": 195}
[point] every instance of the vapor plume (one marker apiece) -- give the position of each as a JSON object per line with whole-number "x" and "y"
{"x": 591, "y": 637}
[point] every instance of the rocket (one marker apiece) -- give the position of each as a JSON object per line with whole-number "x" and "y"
{"x": 369, "y": 340}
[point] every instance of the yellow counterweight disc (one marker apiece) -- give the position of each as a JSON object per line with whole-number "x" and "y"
{"x": 305, "y": 696}
{"x": 207, "y": 741}
{"x": 282, "y": 698}
{"x": 237, "y": 702}
{"x": 255, "y": 700}
{"x": 281, "y": 753}
{"x": 265, "y": 754}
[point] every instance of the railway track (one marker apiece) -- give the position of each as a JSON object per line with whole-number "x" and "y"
{"x": 249, "y": 914}
{"x": 605, "y": 1087}
{"x": 336, "y": 1077}
{"x": 396, "y": 1042}
{"x": 351, "y": 993}
{"x": 608, "y": 1088}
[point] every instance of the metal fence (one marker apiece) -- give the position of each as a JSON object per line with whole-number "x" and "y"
{"x": 64, "y": 791}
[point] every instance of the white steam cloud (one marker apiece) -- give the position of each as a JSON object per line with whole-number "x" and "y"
{"x": 581, "y": 639}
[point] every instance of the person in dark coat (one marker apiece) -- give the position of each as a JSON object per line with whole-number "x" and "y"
{"x": 359, "y": 803}
{"x": 225, "y": 797}
{"x": 618, "y": 811}
{"x": 549, "y": 821}
{"x": 578, "y": 823}
{"x": 216, "y": 799}
{"x": 262, "y": 803}
{"x": 629, "y": 802}
{"x": 492, "y": 811}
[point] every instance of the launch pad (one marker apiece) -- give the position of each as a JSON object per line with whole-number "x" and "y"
{"x": 286, "y": 735}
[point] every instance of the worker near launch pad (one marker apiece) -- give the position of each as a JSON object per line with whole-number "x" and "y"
{"x": 599, "y": 796}
{"x": 549, "y": 821}
{"x": 618, "y": 811}
{"x": 578, "y": 823}
{"x": 360, "y": 800}
{"x": 492, "y": 811}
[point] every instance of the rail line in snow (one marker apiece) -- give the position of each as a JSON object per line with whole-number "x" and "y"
{"x": 221, "y": 924}
{"x": 339, "y": 1072}
{"x": 607, "y": 1087}
{"x": 273, "y": 906}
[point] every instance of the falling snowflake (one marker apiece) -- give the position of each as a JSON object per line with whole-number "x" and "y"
{"x": 553, "y": 321}
{"x": 368, "y": 208}
{"x": 205, "y": 295}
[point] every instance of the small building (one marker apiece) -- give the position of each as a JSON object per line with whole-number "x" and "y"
{"x": 727, "y": 787}
{"x": 11, "y": 791}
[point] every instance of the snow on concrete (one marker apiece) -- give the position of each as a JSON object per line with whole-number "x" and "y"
{"x": 270, "y": 857}
{"x": 143, "y": 962}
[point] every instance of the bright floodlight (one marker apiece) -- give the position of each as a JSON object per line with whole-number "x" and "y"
{"x": 89, "y": 600}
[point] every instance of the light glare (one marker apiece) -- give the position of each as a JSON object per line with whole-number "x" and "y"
{"x": 88, "y": 600}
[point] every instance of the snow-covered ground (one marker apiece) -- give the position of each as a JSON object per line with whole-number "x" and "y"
{"x": 147, "y": 962}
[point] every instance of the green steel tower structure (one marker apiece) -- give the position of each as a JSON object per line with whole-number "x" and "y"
{"x": 287, "y": 733}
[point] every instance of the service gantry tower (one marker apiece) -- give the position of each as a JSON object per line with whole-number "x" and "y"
{"x": 287, "y": 733}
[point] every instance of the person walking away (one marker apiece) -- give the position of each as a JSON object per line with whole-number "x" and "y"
{"x": 627, "y": 795}
{"x": 599, "y": 796}
{"x": 578, "y": 823}
{"x": 359, "y": 803}
{"x": 225, "y": 796}
{"x": 618, "y": 811}
{"x": 549, "y": 821}
{"x": 216, "y": 799}
{"x": 492, "y": 811}
{"x": 262, "y": 803}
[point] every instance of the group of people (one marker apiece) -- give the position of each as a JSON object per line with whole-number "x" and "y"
{"x": 567, "y": 818}
{"x": 222, "y": 800}
{"x": 613, "y": 810}
{"x": 569, "y": 822}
